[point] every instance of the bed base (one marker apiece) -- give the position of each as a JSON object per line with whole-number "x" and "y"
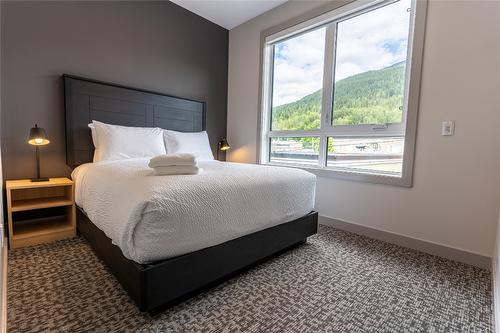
{"x": 162, "y": 284}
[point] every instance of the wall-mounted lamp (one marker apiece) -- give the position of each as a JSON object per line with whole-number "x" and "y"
{"x": 38, "y": 137}
{"x": 222, "y": 145}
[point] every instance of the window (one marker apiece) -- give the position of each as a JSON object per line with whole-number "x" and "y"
{"x": 298, "y": 73}
{"x": 340, "y": 92}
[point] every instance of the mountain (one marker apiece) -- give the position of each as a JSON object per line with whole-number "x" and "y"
{"x": 372, "y": 97}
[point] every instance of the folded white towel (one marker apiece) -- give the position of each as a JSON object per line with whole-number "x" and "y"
{"x": 172, "y": 159}
{"x": 177, "y": 170}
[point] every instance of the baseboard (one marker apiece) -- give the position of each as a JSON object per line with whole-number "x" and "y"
{"x": 496, "y": 295}
{"x": 474, "y": 259}
{"x": 3, "y": 290}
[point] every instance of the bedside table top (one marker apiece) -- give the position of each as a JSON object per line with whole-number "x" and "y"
{"x": 27, "y": 183}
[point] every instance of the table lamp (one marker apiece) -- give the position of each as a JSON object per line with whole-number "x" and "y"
{"x": 222, "y": 145}
{"x": 38, "y": 137}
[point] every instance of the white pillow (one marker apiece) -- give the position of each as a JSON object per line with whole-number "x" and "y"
{"x": 97, "y": 152}
{"x": 195, "y": 143}
{"x": 113, "y": 142}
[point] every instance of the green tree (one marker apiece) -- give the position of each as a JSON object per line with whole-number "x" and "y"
{"x": 373, "y": 97}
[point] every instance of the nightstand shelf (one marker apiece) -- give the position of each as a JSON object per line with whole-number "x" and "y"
{"x": 30, "y": 204}
{"x": 43, "y": 230}
{"x": 39, "y": 200}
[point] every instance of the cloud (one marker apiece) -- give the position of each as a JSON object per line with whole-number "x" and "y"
{"x": 370, "y": 41}
{"x": 298, "y": 67}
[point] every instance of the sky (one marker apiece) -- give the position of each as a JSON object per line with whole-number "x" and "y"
{"x": 370, "y": 41}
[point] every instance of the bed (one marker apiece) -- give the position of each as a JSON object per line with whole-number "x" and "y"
{"x": 168, "y": 238}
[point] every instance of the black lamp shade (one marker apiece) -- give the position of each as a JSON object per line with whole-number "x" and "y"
{"x": 38, "y": 136}
{"x": 223, "y": 144}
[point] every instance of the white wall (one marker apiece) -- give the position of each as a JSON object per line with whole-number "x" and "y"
{"x": 454, "y": 200}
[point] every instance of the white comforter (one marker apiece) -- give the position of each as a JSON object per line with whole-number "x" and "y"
{"x": 156, "y": 217}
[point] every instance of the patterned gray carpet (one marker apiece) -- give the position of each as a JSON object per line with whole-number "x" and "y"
{"x": 338, "y": 282}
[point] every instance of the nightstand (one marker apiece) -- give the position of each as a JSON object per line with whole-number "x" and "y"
{"x": 40, "y": 212}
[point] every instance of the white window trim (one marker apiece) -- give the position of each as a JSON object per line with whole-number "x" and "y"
{"x": 412, "y": 93}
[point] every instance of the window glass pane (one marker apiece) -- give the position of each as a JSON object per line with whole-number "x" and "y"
{"x": 297, "y": 80}
{"x": 373, "y": 155}
{"x": 303, "y": 151}
{"x": 370, "y": 66}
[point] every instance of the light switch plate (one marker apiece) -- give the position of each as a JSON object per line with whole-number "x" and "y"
{"x": 448, "y": 128}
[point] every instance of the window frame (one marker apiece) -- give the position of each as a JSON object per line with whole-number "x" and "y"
{"x": 329, "y": 18}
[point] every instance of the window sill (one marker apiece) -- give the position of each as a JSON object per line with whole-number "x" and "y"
{"x": 364, "y": 177}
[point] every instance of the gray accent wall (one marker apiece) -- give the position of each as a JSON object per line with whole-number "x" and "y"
{"x": 156, "y": 46}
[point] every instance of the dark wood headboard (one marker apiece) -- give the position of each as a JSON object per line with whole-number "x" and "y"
{"x": 87, "y": 100}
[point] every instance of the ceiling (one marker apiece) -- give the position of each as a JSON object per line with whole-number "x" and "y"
{"x": 229, "y": 13}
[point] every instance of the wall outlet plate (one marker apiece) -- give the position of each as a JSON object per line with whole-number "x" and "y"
{"x": 448, "y": 127}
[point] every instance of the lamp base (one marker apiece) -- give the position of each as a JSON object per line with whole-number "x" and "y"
{"x": 35, "y": 180}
